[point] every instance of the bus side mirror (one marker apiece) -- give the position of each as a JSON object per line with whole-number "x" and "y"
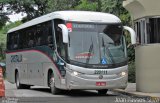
{"x": 133, "y": 34}
{"x": 64, "y": 32}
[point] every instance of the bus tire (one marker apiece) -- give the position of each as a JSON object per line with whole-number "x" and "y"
{"x": 53, "y": 88}
{"x": 26, "y": 86}
{"x": 102, "y": 92}
{"x": 17, "y": 80}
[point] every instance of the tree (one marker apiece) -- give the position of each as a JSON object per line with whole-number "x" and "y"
{"x": 3, "y": 36}
{"x": 3, "y": 20}
{"x": 87, "y": 5}
{"x": 115, "y": 7}
{"x": 33, "y": 8}
{"x": 3, "y": 12}
{"x": 56, "y": 5}
{"x": 36, "y": 8}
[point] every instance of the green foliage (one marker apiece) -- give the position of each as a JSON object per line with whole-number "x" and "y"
{"x": 110, "y": 6}
{"x": 130, "y": 48}
{"x": 131, "y": 72}
{"x": 131, "y": 59}
{"x": 33, "y": 8}
{"x": 3, "y": 35}
{"x": 3, "y": 20}
{"x": 3, "y": 13}
{"x": 10, "y": 25}
{"x": 125, "y": 18}
{"x": 86, "y": 5}
{"x": 56, "y": 5}
{"x": 36, "y": 8}
{"x": 115, "y": 7}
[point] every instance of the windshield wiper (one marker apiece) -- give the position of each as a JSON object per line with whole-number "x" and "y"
{"x": 89, "y": 52}
{"x": 107, "y": 53}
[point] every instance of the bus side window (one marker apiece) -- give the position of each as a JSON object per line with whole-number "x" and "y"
{"x": 20, "y": 43}
{"x": 16, "y": 38}
{"x": 50, "y": 42}
{"x": 10, "y": 41}
{"x": 39, "y": 41}
{"x": 48, "y": 35}
{"x": 59, "y": 39}
{"x": 31, "y": 40}
{"x": 39, "y": 35}
{"x": 13, "y": 38}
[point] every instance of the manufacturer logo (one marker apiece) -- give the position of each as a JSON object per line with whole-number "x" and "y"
{"x": 100, "y": 76}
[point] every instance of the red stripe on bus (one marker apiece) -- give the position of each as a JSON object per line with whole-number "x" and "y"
{"x": 39, "y": 52}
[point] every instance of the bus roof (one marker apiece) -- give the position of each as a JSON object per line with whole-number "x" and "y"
{"x": 79, "y": 16}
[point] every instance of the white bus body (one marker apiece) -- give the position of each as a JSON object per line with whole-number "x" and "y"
{"x": 90, "y": 55}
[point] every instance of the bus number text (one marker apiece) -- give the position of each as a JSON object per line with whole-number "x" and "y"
{"x": 100, "y": 72}
{"x": 16, "y": 58}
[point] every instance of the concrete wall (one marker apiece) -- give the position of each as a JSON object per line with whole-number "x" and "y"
{"x": 148, "y": 68}
{"x": 142, "y": 8}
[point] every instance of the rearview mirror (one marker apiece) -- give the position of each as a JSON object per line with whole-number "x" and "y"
{"x": 132, "y": 33}
{"x": 64, "y": 32}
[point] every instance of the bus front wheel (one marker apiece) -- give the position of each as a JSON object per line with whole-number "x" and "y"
{"x": 102, "y": 92}
{"x": 18, "y": 84}
{"x": 53, "y": 88}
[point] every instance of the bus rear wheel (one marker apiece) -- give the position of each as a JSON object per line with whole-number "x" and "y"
{"x": 52, "y": 86}
{"x": 102, "y": 92}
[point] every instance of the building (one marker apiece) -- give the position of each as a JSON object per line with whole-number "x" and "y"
{"x": 146, "y": 20}
{"x": 146, "y": 17}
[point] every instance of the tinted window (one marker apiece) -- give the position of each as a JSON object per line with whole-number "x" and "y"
{"x": 59, "y": 40}
{"x": 13, "y": 41}
{"x": 30, "y": 37}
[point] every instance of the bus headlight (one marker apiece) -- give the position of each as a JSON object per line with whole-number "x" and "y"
{"x": 124, "y": 73}
{"x": 75, "y": 73}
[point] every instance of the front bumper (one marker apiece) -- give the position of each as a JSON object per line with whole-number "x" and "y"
{"x": 77, "y": 82}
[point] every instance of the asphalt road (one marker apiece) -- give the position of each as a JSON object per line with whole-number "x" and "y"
{"x": 42, "y": 95}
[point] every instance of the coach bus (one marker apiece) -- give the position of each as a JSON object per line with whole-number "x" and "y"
{"x": 68, "y": 50}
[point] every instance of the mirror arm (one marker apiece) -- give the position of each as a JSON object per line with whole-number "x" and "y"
{"x": 133, "y": 34}
{"x": 64, "y": 32}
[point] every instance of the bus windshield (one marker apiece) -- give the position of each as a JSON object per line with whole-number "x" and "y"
{"x": 96, "y": 43}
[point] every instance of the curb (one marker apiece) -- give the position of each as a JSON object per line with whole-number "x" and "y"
{"x": 137, "y": 95}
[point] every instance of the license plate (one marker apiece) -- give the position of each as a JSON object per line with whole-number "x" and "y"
{"x": 100, "y": 83}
